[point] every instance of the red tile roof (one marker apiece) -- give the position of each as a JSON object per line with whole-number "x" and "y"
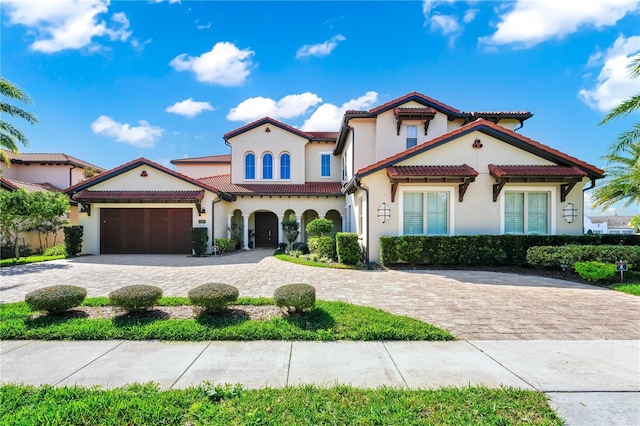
{"x": 43, "y": 158}
{"x": 325, "y": 136}
{"x": 418, "y": 171}
{"x": 329, "y": 136}
{"x": 496, "y": 131}
{"x": 501, "y": 171}
{"x": 30, "y": 186}
{"x": 210, "y": 159}
{"x": 141, "y": 196}
{"x": 413, "y": 96}
{"x": 308, "y": 188}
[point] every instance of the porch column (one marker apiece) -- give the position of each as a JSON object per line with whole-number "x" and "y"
{"x": 299, "y": 220}
{"x": 245, "y": 229}
{"x": 229, "y": 217}
{"x": 281, "y": 238}
{"x": 342, "y": 228}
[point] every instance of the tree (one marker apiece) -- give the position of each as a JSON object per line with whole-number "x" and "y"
{"x": 319, "y": 227}
{"x": 21, "y": 211}
{"x": 10, "y": 136}
{"x": 291, "y": 229}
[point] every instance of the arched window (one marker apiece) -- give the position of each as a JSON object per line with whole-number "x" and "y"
{"x": 250, "y": 166}
{"x": 285, "y": 166}
{"x": 267, "y": 166}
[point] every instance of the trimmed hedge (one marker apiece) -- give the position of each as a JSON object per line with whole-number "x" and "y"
{"x": 565, "y": 257}
{"x": 135, "y": 297}
{"x": 199, "y": 238}
{"x": 595, "y": 271}
{"x": 302, "y": 247}
{"x": 225, "y": 245}
{"x": 323, "y": 246}
{"x": 56, "y": 299}
{"x": 213, "y": 296}
{"x": 348, "y": 248}
{"x": 298, "y": 297}
{"x": 73, "y": 239}
{"x": 482, "y": 250}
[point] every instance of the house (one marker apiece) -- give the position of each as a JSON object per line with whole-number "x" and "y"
{"x": 608, "y": 225}
{"x": 413, "y": 165}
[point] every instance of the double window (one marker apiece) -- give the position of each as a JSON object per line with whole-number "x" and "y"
{"x": 425, "y": 213}
{"x": 526, "y": 212}
{"x": 325, "y": 165}
{"x": 412, "y": 136}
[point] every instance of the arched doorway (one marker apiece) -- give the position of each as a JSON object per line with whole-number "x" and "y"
{"x": 266, "y": 229}
{"x": 334, "y": 216}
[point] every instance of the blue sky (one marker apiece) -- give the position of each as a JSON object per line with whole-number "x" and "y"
{"x": 114, "y": 81}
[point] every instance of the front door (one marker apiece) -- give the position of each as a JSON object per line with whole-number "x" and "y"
{"x": 266, "y": 229}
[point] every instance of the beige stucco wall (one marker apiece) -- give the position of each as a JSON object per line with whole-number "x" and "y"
{"x": 197, "y": 171}
{"x": 365, "y": 140}
{"x": 313, "y": 162}
{"x": 61, "y": 176}
{"x": 155, "y": 180}
{"x": 276, "y": 141}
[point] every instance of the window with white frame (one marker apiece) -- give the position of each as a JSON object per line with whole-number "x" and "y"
{"x": 425, "y": 213}
{"x": 325, "y": 165}
{"x": 526, "y": 212}
{"x": 250, "y": 166}
{"x": 412, "y": 136}
{"x": 267, "y": 166}
{"x": 285, "y": 166}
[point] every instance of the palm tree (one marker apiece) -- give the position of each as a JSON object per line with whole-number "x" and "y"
{"x": 10, "y": 136}
{"x": 623, "y": 178}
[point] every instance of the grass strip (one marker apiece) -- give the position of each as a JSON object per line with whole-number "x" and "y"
{"x": 31, "y": 259}
{"x": 328, "y": 321}
{"x": 300, "y": 261}
{"x": 145, "y": 404}
{"x": 631, "y": 288}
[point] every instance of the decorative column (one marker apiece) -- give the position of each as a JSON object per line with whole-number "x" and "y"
{"x": 229, "y": 217}
{"x": 281, "y": 238}
{"x": 299, "y": 220}
{"x": 245, "y": 229}
{"x": 342, "y": 224}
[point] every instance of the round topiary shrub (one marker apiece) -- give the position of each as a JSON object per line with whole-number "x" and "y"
{"x": 299, "y": 297}
{"x": 135, "y": 297}
{"x": 213, "y": 296}
{"x": 55, "y": 299}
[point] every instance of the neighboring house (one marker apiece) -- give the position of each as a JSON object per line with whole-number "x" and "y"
{"x": 412, "y": 166}
{"x": 608, "y": 225}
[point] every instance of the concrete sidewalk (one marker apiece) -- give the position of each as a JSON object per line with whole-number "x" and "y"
{"x": 588, "y": 382}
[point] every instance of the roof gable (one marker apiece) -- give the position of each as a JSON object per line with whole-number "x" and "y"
{"x": 260, "y": 122}
{"x": 418, "y": 98}
{"x": 49, "y": 158}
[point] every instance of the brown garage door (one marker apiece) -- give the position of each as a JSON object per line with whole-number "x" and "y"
{"x": 139, "y": 231}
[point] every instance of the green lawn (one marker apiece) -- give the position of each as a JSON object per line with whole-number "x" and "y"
{"x": 631, "y": 288}
{"x": 301, "y": 261}
{"x": 30, "y": 259}
{"x": 302, "y": 405}
{"x": 328, "y": 321}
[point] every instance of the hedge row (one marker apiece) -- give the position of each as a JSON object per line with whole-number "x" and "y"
{"x": 566, "y": 257}
{"x": 482, "y": 250}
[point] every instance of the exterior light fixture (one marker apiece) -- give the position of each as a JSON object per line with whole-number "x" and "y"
{"x": 384, "y": 212}
{"x": 569, "y": 213}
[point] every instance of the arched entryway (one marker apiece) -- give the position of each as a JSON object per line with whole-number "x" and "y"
{"x": 266, "y": 229}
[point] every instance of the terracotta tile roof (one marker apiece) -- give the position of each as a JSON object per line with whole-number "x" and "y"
{"x": 413, "y": 96}
{"x": 494, "y": 130}
{"x": 29, "y": 157}
{"x": 29, "y": 186}
{"x": 328, "y": 136}
{"x": 501, "y": 171}
{"x": 140, "y": 196}
{"x": 132, "y": 165}
{"x": 418, "y": 171}
{"x": 209, "y": 159}
{"x": 308, "y": 188}
{"x": 324, "y": 136}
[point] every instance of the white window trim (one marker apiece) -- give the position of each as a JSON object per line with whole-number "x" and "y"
{"x": 551, "y": 190}
{"x": 329, "y": 153}
{"x": 424, "y": 188}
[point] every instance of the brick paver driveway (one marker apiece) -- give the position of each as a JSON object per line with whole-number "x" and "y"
{"x": 470, "y": 304}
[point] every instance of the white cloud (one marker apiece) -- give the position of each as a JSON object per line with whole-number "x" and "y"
{"x": 447, "y": 24}
{"x": 224, "y": 64}
{"x": 469, "y": 15}
{"x": 328, "y": 116}
{"x": 287, "y": 107}
{"x": 321, "y": 49}
{"x": 189, "y": 108}
{"x": 531, "y": 22}
{"x": 65, "y": 24}
{"x": 142, "y": 136}
{"x": 613, "y": 84}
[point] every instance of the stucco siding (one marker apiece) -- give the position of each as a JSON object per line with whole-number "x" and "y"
{"x": 313, "y": 154}
{"x": 155, "y": 180}
{"x": 197, "y": 171}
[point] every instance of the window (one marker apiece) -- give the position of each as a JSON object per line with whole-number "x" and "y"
{"x": 412, "y": 136}
{"x": 436, "y": 219}
{"x": 285, "y": 166}
{"x": 325, "y": 165}
{"x": 526, "y": 213}
{"x": 267, "y": 166}
{"x": 250, "y": 166}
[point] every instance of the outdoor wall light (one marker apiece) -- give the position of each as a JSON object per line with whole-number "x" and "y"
{"x": 569, "y": 213}
{"x": 384, "y": 212}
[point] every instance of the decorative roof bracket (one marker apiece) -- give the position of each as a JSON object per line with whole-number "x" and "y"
{"x": 394, "y": 190}
{"x": 462, "y": 189}
{"x": 497, "y": 188}
{"x": 566, "y": 188}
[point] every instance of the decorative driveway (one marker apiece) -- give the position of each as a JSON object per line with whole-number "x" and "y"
{"x": 470, "y": 304}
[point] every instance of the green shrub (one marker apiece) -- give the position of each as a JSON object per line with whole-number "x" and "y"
{"x": 595, "y": 271}
{"x": 225, "y": 245}
{"x": 567, "y": 256}
{"x": 298, "y": 297}
{"x": 199, "y": 238}
{"x": 295, "y": 253}
{"x": 291, "y": 229}
{"x": 73, "y": 239}
{"x": 320, "y": 227}
{"x": 302, "y": 247}
{"x": 213, "y": 296}
{"x": 59, "y": 250}
{"x": 323, "y": 246}
{"x": 278, "y": 251}
{"x": 348, "y": 248}
{"x": 55, "y": 299}
{"x": 135, "y": 297}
